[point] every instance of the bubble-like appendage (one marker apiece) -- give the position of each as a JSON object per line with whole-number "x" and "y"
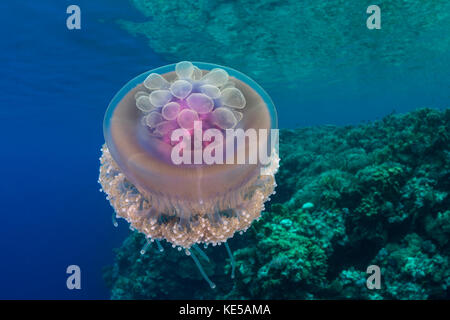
{"x": 186, "y": 119}
{"x": 224, "y": 118}
{"x": 233, "y": 98}
{"x": 200, "y": 103}
{"x": 154, "y": 82}
{"x": 192, "y": 203}
{"x": 140, "y": 94}
{"x": 181, "y": 89}
{"x": 197, "y": 75}
{"x": 153, "y": 119}
{"x": 165, "y": 127}
{"x": 238, "y": 115}
{"x": 204, "y": 94}
{"x": 171, "y": 110}
{"x": 229, "y": 84}
{"x": 216, "y": 77}
{"x": 184, "y": 69}
{"x": 160, "y": 97}
{"x": 211, "y": 91}
{"x": 143, "y": 103}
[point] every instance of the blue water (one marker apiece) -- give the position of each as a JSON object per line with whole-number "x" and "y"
{"x": 55, "y": 87}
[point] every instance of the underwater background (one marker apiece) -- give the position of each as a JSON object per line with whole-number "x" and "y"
{"x": 365, "y": 170}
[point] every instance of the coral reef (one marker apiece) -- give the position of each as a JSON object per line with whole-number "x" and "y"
{"x": 293, "y": 40}
{"x": 348, "y": 197}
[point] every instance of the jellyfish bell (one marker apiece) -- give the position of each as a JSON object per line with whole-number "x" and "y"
{"x": 194, "y": 201}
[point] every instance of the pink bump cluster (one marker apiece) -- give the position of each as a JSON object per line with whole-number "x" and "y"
{"x": 211, "y": 98}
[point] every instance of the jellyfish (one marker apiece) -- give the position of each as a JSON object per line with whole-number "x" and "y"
{"x": 190, "y": 203}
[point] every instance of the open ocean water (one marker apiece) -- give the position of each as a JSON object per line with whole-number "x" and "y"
{"x": 55, "y": 87}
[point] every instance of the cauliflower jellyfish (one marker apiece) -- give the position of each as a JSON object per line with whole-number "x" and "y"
{"x": 187, "y": 203}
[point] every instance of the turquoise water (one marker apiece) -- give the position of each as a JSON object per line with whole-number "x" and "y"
{"x": 320, "y": 65}
{"x": 318, "y": 61}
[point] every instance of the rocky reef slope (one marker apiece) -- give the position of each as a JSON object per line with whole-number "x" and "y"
{"x": 347, "y": 197}
{"x": 286, "y": 41}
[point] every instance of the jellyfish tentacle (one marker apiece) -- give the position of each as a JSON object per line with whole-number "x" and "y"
{"x": 233, "y": 263}
{"x": 200, "y": 268}
{"x": 160, "y": 247}
{"x": 114, "y": 220}
{"x": 145, "y": 247}
{"x": 201, "y": 252}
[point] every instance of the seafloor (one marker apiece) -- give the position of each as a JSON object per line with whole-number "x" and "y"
{"x": 347, "y": 197}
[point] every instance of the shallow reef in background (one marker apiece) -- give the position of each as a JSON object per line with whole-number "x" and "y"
{"x": 293, "y": 40}
{"x": 347, "y": 197}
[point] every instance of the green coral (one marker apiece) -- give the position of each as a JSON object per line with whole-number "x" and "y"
{"x": 281, "y": 258}
{"x": 438, "y": 227}
{"x": 414, "y": 269}
{"x": 347, "y": 197}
